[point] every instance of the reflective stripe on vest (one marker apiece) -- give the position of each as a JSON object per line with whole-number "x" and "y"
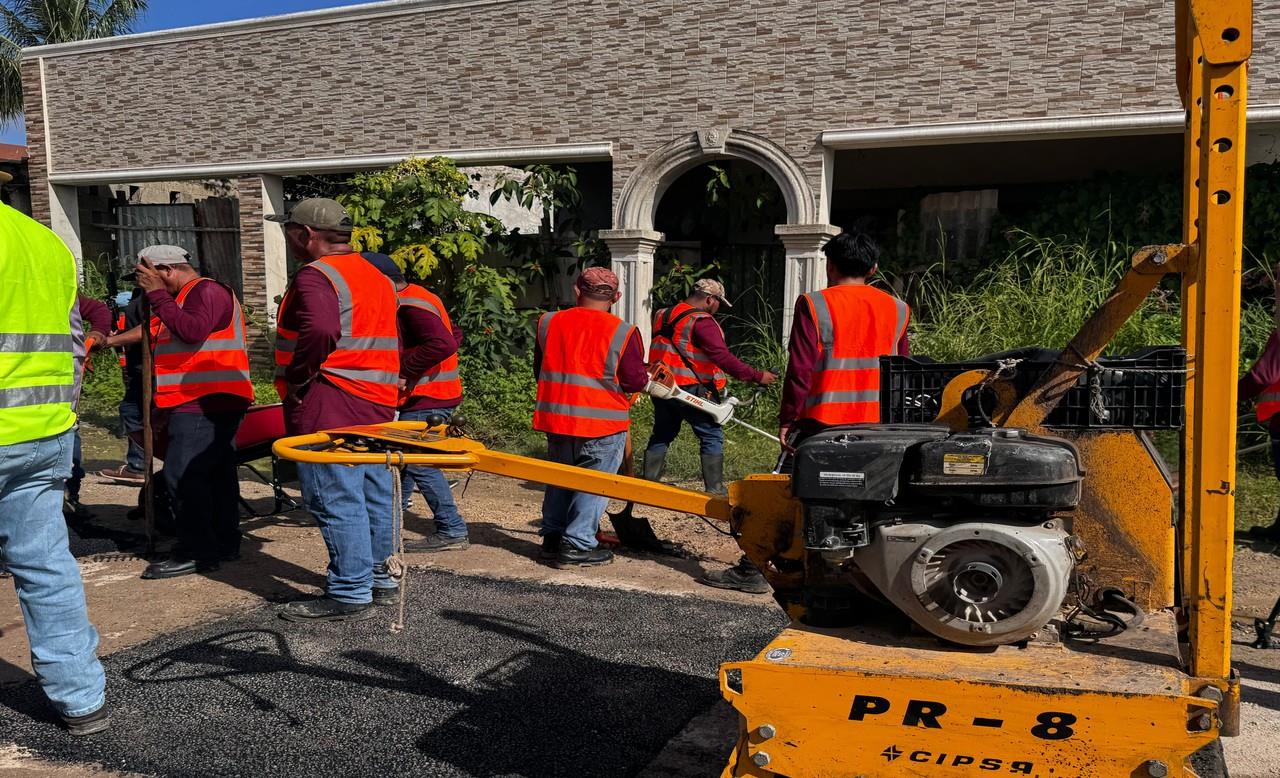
{"x": 1268, "y": 403}
{"x": 366, "y": 361}
{"x": 185, "y": 372}
{"x": 578, "y": 389}
{"x": 37, "y": 304}
{"x": 856, "y": 326}
{"x": 664, "y": 350}
{"x": 442, "y": 382}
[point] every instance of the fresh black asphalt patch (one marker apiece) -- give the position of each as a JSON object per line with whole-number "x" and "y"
{"x": 490, "y": 678}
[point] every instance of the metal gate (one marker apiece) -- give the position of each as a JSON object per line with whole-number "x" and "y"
{"x": 209, "y": 230}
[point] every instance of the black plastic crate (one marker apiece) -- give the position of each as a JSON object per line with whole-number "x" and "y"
{"x": 1142, "y": 391}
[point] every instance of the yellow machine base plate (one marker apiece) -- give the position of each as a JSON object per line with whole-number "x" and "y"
{"x": 865, "y": 701}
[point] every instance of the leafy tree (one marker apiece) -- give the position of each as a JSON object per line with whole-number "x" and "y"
{"x": 414, "y": 211}
{"x": 562, "y": 242}
{"x": 26, "y": 23}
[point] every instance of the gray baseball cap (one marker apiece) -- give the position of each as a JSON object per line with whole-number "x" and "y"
{"x": 165, "y": 255}
{"x": 5, "y": 177}
{"x": 318, "y": 212}
{"x": 712, "y": 288}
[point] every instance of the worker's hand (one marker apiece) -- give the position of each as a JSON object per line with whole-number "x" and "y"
{"x": 784, "y": 432}
{"x": 767, "y": 378}
{"x": 95, "y": 341}
{"x": 147, "y": 277}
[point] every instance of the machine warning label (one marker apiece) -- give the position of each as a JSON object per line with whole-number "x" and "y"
{"x": 841, "y": 479}
{"x": 964, "y": 464}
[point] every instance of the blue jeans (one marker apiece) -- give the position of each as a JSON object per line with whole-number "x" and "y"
{"x": 575, "y": 516}
{"x": 33, "y": 547}
{"x": 77, "y": 469}
{"x": 352, "y": 505}
{"x": 433, "y": 485}
{"x": 131, "y": 421}
{"x": 667, "y": 415}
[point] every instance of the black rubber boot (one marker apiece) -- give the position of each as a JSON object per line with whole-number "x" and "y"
{"x": 654, "y": 461}
{"x": 713, "y": 473}
{"x": 1270, "y": 534}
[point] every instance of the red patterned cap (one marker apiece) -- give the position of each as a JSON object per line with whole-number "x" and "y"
{"x": 599, "y": 281}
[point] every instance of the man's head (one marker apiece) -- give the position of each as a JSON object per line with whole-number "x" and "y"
{"x": 851, "y": 256}
{"x": 388, "y": 267}
{"x": 708, "y": 295}
{"x": 316, "y": 227}
{"x": 597, "y": 288}
{"x": 172, "y": 263}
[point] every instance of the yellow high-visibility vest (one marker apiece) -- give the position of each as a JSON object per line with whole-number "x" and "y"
{"x": 37, "y": 367}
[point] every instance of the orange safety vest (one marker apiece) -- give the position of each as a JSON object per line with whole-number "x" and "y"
{"x": 188, "y": 371}
{"x": 443, "y": 381}
{"x": 120, "y": 351}
{"x": 856, "y": 326}
{"x": 366, "y": 362}
{"x": 664, "y": 350}
{"x": 1268, "y": 403}
{"x": 578, "y": 390}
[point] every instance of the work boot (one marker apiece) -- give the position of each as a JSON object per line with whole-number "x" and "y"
{"x": 326, "y": 609}
{"x": 569, "y": 556}
{"x": 742, "y": 577}
{"x": 386, "y": 596}
{"x": 653, "y": 464}
{"x": 177, "y": 566}
{"x": 713, "y": 473}
{"x": 1270, "y": 534}
{"x": 124, "y": 475}
{"x": 550, "y": 546}
{"x": 74, "y": 510}
{"x": 437, "y": 542}
{"x": 89, "y": 723}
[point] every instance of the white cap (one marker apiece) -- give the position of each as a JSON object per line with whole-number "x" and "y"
{"x": 165, "y": 255}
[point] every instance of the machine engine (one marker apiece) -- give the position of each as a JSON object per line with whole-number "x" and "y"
{"x": 966, "y": 533}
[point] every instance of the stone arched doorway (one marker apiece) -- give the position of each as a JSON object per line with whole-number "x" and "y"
{"x": 634, "y": 240}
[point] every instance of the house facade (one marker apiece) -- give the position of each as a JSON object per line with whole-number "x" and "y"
{"x": 821, "y": 94}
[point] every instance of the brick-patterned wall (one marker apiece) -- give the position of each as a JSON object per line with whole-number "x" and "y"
{"x": 36, "y": 166}
{"x": 636, "y": 72}
{"x": 254, "y": 270}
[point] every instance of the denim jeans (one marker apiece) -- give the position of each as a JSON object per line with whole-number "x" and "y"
{"x": 576, "y": 515}
{"x": 667, "y": 416}
{"x": 77, "y": 469}
{"x": 433, "y": 484}
{"x": 352, "y": 505}
{"x": 201, "y": 475}
{"x": 33, "y": 547}
{"x": 131, "y": 421}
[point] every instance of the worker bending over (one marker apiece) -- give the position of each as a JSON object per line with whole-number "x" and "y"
{"x": 338, "y": 365}
{"x": 833, "y": 373}
{"x": 37, "y": 388}
{"x": 588, "y": 362}
{"x": 432, "y": 391}
{"x": 689, "y": 341}
{"x": 1262, "y": 383}
{"x": 202, "y": 390}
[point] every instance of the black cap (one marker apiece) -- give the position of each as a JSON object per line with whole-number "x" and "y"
{"x": 386, "y": 264}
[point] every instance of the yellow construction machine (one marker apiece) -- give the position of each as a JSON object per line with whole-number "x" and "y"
{"x": 1002, "y": 597}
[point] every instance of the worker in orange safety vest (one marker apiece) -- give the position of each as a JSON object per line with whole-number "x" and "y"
{"x": 588, "y": 362}
{"x": 1262, "y": 385}
{"x": 202, "y": 390}
{"x": 833, "y": 370}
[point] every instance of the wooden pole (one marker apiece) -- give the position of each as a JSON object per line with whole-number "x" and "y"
{"x": 148, "y": 446}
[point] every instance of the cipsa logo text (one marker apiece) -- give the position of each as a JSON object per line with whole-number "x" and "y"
{"x": 990, "y": 764}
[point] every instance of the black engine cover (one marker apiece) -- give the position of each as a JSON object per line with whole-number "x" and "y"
{"x": 993, "y": 468}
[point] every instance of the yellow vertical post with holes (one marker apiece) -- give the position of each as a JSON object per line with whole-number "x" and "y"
{"x": 1190, "y": 83}
{"x": 1223, "y": 38}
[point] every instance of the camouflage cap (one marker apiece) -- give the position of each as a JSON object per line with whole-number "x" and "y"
{"x": 318, "y": 212}
{"x": 712, "y": 288}
{"x": 598, "y": 282}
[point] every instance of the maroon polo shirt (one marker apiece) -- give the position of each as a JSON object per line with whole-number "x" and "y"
{"x": 208, "y": 308}
{"x": 708, "y": 336}
{"x": 425, "y": 342}
{"x": 804, "y": 351}
{"x": 313, "y": 313}
{"x": 95, "y": 314}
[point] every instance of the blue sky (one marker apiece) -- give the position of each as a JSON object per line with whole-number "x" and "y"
{"x": 167, "y": 14}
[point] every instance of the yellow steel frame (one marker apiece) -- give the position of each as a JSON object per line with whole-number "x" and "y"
{"x": 856, "y": 701}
